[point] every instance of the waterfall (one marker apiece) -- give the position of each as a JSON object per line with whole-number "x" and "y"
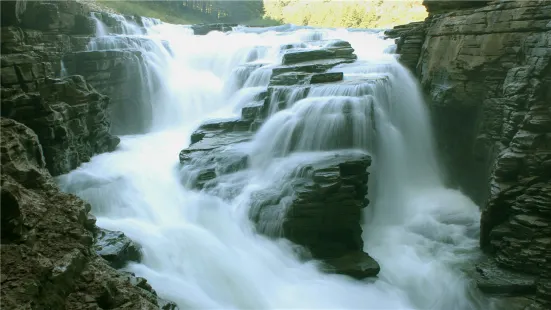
{"x": 200, "y": 249}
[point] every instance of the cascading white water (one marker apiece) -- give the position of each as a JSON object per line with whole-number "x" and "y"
{"x": 201, "y": 251}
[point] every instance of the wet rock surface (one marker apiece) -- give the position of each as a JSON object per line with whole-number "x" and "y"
{"x": 47, "y": 262}
{"x": 49, "y": 127}
{"x": 116, "y": 248}
{"x": 486, "y": 68}
{"x": 116, "y": 74}
{"x": 319, "y": 207}
{"x": 332, "y": 50}
{"x": 494, "y": 280}
{"x": 69, "y": 117}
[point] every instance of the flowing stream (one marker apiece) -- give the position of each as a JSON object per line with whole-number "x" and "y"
{"x": 200, "y": 249}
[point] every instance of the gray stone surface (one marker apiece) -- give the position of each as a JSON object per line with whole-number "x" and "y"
{"x": 486, "y": 69}
{"x": 116, "y": 248}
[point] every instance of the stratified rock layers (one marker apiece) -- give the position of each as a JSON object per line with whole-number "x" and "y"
{"x": 487, "y": 71}
{"x": 70, "y": 118}
{"x": 318, "y": 205}
{"x": 47, "y": 236}
{"x": 50, "y": 126}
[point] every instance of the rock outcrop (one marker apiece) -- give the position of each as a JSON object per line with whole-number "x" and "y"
{"x": 47, "y": 261}
{"x": 318, "y": 205}
{"x": 50, "y": 126}
{"x": 485, "y": 66}
{"x": 70, "y": 118}
{"x": 120, "y": 75}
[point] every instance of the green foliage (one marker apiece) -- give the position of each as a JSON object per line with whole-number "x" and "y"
{"x": 322, "y": 13}
{"x": 346, "y": 14}
{"x": 168, "y": 11}
{"x": 195, "y": 11}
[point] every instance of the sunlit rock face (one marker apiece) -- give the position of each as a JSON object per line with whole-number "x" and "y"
{"x": 487, "y": 73}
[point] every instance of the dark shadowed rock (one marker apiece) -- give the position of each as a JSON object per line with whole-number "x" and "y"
{"x": 116, "y": 248}
{"x": 46, "y": 239}
{"x": 117, "y": 74}
{"x": 358, "y": 265}
{"x": 331, "y": 50}
{"x": 319, "y": 207}
{"x": 69, "y": 117}
{"x": 326, "y": 77}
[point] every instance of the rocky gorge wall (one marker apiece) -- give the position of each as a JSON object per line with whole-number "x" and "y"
{"x": 486, "y": 71}
{"x": 53, "y": 255}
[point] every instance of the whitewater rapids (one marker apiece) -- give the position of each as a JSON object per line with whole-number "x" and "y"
{"x": 201, "y": 251}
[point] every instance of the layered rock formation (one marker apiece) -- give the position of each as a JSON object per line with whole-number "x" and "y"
{"x": 320, "y": 208}
{"x": 317, "y": 205}
{"x": 119, "y": 74}
{"x": 68, "y": 115}
{"x": 486, "y": 69}
{"x": 70, "y": 118}
{"x": 47, "y": 261}
{"x": 50, "y": 126}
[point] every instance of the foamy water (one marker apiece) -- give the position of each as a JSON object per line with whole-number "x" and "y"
{"x": 201, "y": 251}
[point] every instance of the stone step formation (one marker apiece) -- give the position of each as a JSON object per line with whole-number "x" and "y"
{"x": 325, "y": 211}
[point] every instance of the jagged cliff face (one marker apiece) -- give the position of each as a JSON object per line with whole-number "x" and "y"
{"x": 69, "y": 116}
{"x": 50, "y": 126}
{"x": 487, "y": 73}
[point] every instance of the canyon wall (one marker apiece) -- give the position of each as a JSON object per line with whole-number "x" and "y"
{"x": 486, "y": 71}
{"x": 53, "y": 255}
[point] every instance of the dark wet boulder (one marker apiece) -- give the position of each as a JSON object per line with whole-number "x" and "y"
{"x": 289, "y": 78}
{"x": 215, "y": 154}
{"x": 358, "y": 265}
{"x": 116, "y": 248}
{"x": 319, "y": 206}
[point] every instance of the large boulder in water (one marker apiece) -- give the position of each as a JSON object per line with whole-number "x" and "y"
{"x": 358, "y": 265}
{"x": 320, "y": 208}
{"x": 331, "y": 50}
